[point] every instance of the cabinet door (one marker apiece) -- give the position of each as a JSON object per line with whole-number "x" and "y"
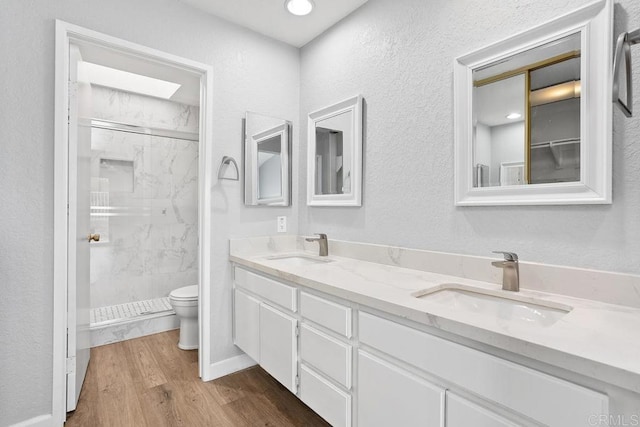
{"x": 462, "y": 413}
{"x": 278, "y": 346}
{"x": 390, "y": 396}
{"x": 246, "y": 324}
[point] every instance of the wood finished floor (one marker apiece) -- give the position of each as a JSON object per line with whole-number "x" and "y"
{"x": 149, "y": 381}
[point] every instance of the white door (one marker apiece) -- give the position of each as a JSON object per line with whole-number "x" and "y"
{"x": 78, "y": 340}
{"x": 278, "y": 346}
{"x": 512, "y": 173}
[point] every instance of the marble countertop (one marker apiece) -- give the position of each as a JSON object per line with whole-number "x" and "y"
{"x": 594, "y": 339}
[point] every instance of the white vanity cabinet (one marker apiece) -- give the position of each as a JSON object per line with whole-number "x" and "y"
{"x": 246, "y": 323}
{"x": 264, "y": 325}
{"x": 278, "y": 346}
{"x": 326, "y": 358}
{"x": 358, "y": 368}
{"x": 524, "y": 393}
{"x": 390, "y": 396}
{"x": 463, "y": 413}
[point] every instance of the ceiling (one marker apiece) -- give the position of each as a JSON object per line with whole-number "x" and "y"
{"x": 189, "y": 91}
{"x": 269, "y": 17}
{"x": 493, "y": 102}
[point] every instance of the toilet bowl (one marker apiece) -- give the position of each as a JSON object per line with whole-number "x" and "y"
{"x": 185, "y": 303}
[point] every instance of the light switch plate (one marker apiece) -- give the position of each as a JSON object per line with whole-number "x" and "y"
{"x": 282, "y": 224}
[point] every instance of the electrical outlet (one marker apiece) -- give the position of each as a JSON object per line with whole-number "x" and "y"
{"x": 282, "y": 224}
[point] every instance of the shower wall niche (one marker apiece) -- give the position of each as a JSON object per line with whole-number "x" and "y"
{"x": 144, "y": 203}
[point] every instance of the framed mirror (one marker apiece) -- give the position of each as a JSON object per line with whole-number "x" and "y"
{"x": 334, "y": 155}
{"x": 267, "y": 161}
{"x": 533, "y": 116}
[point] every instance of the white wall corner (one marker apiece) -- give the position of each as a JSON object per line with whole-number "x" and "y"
{"x": 227, "y": 366}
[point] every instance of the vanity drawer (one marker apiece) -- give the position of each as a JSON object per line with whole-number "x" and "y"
{"x": 276, "y": 292}
{"x": 521, "y": 389}
{"x": 332, "y": 316}
{"x": 331, "y": 403}
{"x": 326, "y": 354}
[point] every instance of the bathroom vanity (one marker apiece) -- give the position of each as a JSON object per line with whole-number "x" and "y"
{"x": 364, "y": 343}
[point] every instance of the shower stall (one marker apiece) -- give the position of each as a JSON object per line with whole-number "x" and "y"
{"x": 144, "y": 206}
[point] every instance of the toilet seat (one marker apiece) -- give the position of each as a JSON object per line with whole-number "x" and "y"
{"x": 186, "y": 293}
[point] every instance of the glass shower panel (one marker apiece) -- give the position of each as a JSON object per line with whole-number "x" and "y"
{"x": 144, "y": 203}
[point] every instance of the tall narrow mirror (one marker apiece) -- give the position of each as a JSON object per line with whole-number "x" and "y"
{"x": 267, "y": 157}
{"x": 335, "y": 155}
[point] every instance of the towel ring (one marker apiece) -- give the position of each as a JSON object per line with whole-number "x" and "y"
{"x": 623, "y": 47}
{"x": 226, "y": 160}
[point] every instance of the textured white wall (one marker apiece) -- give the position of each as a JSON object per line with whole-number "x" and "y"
{"x": 399, "y": 55}
{"x": 250, "y": 73}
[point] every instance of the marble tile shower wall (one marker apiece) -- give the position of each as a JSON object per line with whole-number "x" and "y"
{"x": 119, "y": 106}
{"x": 144, "y": 200}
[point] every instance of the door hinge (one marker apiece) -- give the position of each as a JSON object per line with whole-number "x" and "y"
{"x": 297, "y": 381}
{"x": 297, "y": 330}
{"x": 71, "y": 365}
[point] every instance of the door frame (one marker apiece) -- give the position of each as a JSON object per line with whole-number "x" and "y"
{"x": 65, "y": 34}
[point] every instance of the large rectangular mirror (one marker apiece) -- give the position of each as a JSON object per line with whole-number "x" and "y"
{"x": 267, "y": 165}
{"x": 526, "y": 117}
{"x": 533, "y": 117}
{"x": 335, "y": 155}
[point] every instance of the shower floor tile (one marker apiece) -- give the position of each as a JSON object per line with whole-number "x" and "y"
{"x": 127, "y": 311}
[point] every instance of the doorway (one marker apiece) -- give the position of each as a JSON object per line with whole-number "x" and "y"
{"x": 131, "y": 194}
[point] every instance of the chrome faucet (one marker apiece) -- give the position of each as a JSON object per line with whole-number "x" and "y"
{"x": 322, "y": 241}
{"x": 510, "y": 271}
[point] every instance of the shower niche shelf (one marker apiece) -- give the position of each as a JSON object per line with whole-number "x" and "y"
{"x": 119, "y": 174}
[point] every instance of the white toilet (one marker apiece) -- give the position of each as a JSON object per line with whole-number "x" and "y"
{"x": 185, "y": 303}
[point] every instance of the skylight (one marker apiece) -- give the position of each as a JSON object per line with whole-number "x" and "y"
{"x": 126, "y": 81}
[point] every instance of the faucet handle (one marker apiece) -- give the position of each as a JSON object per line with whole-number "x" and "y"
{"x": 508, "y": 256}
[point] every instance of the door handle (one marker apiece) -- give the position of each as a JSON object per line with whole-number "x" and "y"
{"x": 94, "y": 237}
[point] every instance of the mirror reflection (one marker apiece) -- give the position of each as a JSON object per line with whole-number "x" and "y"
{"x": 333, "y": 163}
{"x": 334, "y": 154}
{"x": 526, "y": 117}
{"x": 269, "y": 167}
{"x": 267, "y": 160}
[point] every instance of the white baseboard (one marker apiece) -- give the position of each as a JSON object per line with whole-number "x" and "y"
{"x": 39, "y": 421}
{"x": 227, "y": 366}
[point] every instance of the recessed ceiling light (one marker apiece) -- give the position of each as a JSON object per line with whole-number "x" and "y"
{"x": 299, "y": 7}
{"x": 129, "y": 82}
{"x": 514, "y": 116}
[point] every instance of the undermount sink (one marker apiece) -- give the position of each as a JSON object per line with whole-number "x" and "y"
{"x": 497, "y": 304}
{"x": 298, "y": 259}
